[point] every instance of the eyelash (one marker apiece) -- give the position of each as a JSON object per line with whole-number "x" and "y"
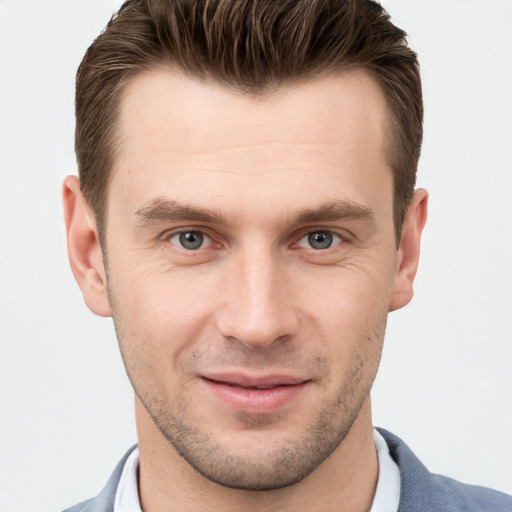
{"x": 169, "y": 236}
{"x": 328, "y": 232}
{"x": 341, "y": 239}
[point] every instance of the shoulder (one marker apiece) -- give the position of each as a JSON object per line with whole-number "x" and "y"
{"x": 470, "y": 497}
{"x": 104, "y": 502}
{"x": 421, "y": 490}
{"x": 84, "y": 506}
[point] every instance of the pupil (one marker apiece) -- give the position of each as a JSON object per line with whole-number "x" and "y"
{"x": 191, "y": 240}
{"x": 320, "y": 240}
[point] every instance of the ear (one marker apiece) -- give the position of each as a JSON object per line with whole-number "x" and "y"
{"x": 84, "y": 251}
{"x": 409, "y": 252}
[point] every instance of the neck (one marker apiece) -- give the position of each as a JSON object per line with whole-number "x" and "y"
{"x": 345, "y": 481}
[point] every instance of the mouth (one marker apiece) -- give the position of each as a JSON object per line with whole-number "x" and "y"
{"x": 256, "y": 395}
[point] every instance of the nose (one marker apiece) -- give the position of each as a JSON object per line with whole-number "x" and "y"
{"x": 257, "y": 301}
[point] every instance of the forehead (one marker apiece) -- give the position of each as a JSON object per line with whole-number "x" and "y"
{"x": 348, "y": 102}
{"x": 207, "y": 143}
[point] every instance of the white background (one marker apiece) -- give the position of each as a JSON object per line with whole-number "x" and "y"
{"x": 445, "y": 382}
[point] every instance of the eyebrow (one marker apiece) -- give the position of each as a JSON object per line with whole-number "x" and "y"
{"x": 162, "y": 209}
{"x": 336, "y": 210}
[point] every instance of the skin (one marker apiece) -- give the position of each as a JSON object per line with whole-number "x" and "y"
{"x": 256, "y": 177}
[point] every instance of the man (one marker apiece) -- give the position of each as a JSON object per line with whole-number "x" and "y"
{"x": 246, "y": 213}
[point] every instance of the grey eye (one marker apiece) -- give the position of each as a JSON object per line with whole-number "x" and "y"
{"x": 319, "y": 240}
{"x": 190, "y": 240}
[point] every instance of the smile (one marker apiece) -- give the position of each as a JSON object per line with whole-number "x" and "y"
{"x": 254, "y": 395}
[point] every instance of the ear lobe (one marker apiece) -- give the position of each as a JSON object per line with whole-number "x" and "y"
{"x": 409, "y": 251}
{"x": 84, "y": 251}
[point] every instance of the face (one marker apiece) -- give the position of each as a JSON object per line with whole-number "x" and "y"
{"x": 251, "y": 267}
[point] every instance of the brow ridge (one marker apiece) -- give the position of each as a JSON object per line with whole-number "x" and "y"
{"x": 335, "y": 210}
{"x": 160, "y": 209}
{"x": 169, "y": 210}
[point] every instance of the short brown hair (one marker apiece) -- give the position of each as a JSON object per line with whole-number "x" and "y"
{"x": 252, "y": 46}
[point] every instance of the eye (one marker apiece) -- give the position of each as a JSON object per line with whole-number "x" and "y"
{"x": 319, "y": 240}
{"x": 190, "y": 240}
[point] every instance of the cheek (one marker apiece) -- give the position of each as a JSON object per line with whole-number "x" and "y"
{"x": 348, "y": 311}
{"x": 158, "y": 315}
{"x": 355, "y": 295}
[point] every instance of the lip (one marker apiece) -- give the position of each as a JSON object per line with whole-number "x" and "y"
{"x": 254, "y": 394}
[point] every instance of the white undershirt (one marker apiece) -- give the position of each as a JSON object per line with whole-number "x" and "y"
{"x": 387, "y": 494}
{"x": 386, "y": 499}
